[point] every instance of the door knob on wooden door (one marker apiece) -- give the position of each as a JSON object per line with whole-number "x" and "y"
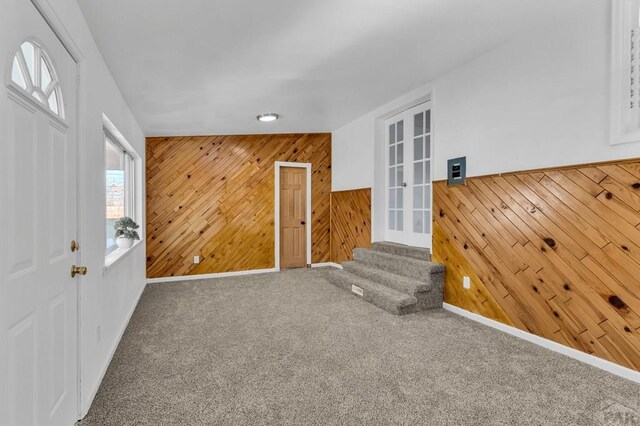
{"x": 78, "y": 270}
{"x": 302, "y": 222}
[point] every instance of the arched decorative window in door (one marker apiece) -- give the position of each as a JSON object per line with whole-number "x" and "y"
{"x": 33, "y": 71}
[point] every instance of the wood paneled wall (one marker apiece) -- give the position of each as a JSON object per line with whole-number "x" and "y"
{"x": 350, "y": 222}
{"x": 213, "y": 196}
{"x": 552, "y": 252}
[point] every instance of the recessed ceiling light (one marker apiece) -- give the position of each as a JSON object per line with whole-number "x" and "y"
{"x": 268, "y": 117}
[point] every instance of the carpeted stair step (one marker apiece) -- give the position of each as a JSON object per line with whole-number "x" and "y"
{"x": 429, "y": 294}
{"x": 386, "y": 298}
{"x": 402, "y": 250}
{"x": 421, "y": 270}
{"x": 397, "y": 282}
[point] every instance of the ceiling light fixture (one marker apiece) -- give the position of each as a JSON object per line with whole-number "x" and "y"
{"x": 268, "y": 117}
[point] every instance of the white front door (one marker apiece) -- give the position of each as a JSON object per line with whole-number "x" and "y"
{"x": 38, "y": 216}
{"x": 409, "y": 176}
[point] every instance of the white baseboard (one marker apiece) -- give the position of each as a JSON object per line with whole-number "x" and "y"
{"x": 592, "y": 360}
{"x": 86, "y": 404}
{"x": 325, "y": 264}
{"x": 230, "y": 274}
{"x": 208, "y": 276}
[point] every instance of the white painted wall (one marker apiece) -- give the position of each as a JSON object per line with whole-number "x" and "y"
{"x": 540, "y": 100}
{"x": 352, "y": 152}
{"x": 106, "y": 300}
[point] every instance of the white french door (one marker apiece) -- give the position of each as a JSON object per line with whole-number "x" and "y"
{"x": 38, "y": 217}
{"x": 409, "y": 177}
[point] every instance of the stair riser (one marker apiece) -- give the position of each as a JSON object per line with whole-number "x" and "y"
{"x": 373, "y": 275}
{"x": 434, "y": 298}
{"x": 345, "y": 282}
{"x": 396, "y": 266}
{"x": 412, "y": 252}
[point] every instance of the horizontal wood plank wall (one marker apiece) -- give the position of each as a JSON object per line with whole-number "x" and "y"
{"x": 552, "y": 252}
{"x": 213, "y": 197}
{"x": 350, "y": 222}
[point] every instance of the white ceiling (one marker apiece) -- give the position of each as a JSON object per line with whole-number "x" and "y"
{"x": 196, "y": 67}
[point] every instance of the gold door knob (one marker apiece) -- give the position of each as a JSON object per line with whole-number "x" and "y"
{"x": 78, "y": 270}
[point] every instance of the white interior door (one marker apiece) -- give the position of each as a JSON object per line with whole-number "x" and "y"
{"x": 38, "y": 212}
{"x": 409, "y": 177}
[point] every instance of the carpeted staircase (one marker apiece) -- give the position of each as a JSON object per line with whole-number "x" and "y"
{"x": 397, "y": 278}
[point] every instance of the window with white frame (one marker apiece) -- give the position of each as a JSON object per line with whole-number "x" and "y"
{"x": 625, "y": 72}
{"x": 33, "y": 72}
{"x": 120, "y": 186}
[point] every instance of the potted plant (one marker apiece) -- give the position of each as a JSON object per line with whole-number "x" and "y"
{"x": 126, "y": 232}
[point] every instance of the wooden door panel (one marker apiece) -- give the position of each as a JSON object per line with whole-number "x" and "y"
{"x": 293, "y": 202}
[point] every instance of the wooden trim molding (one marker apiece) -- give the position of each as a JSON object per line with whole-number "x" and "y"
{"x": 552, "y": 252}
{"x": 556, "y": 168}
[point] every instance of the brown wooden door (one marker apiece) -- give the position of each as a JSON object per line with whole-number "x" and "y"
{"x": 293, "y": 213}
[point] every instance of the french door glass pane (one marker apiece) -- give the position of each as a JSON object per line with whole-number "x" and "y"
{"x": 427, "y": 146}
{"x": 418, "y": 173}
{"x": 427, "y": 196}
{"x": 417, "y": 197}
{"x": 421, "y": 173}
{"x": 417, "y": 221}
{"x": 417, "y": 149}
{"x": 396, "y": 176}
{"x": 418, "y": 126}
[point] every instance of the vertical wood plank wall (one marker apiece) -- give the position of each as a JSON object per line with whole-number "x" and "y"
{"x": 350, "y": 222}
{"x": 213, "y": 196}
{"x": 552, "y": 252}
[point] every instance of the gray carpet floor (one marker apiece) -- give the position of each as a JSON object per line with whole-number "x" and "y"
{"x": 291, "y": 348}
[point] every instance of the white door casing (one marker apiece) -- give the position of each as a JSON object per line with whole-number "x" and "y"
{"x": 408, "y": 191}
{"x": 38, "y": 212}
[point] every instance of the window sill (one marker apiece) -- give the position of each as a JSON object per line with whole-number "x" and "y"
{"x": 116, "y": 256}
